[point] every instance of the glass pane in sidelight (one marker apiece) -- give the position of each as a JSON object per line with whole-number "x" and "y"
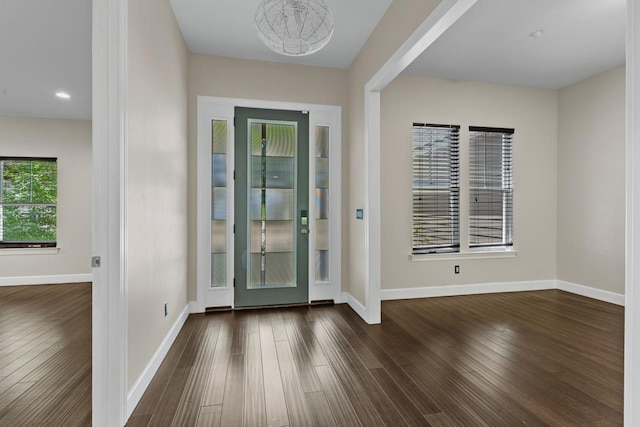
{"x": 322, "y": 266}
{"x": 322, "y": 141}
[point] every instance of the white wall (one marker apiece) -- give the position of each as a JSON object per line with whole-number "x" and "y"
{"x": 533, "y": 114}
{"x": 591, "y": 182}
{"x": 239, "y": 78}
{"x": 157, "y": 178}
{"x": 70, "y": 142}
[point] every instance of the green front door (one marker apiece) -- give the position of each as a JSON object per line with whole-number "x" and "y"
{"x": 271, "y": 207}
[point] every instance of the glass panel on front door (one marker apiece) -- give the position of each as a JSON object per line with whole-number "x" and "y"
{"x": 272, "y": 205}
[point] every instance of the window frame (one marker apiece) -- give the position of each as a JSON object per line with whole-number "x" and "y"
{"x": 506, "y": 188}
{"x": 31, "y": 244}
{"x": 453, "y": 189}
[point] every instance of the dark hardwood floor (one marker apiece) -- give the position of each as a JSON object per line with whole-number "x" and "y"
{"x": 529, "y": 359}
{"x": 45, "y": 355}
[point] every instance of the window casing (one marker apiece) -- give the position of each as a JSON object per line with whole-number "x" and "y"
{"x": 28, "y": 202}
{"x": 490, "y": 187}
{"x": 436, "y": 188}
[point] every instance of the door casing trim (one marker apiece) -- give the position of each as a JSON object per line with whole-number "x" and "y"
{"x": 216, "y": 108}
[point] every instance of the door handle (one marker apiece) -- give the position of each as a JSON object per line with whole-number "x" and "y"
{"x": 304, "y": 230}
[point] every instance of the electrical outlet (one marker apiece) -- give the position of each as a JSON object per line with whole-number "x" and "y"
{"x": 457, "y": 269}
{"x": 166, "y": 309}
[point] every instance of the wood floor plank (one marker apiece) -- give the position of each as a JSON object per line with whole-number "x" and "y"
{"x": 254, "y": 401}
{"x": 191, "y": 400}
{"x": 340, "y": 405}
{"x": 214, "y": 392}
{"x": 319, "y": 408}
{"x": 210, "y": 416}
{"x": 275, "y": 403}
{"x": 233, "y": 407}
{"x": 299, "y": 414}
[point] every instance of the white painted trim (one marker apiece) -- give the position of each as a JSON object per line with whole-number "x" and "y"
{"x": 143, "y": 381}
{"x": 194, "y": 308}
{"x": 29, "y": 251}
{"x": 354, "y": 304}
{"x": 475, "y": 289}
{"x": 109, "y": 319}
{"x": 45, "y": 280}
{"x": 590, "y": 292}
{"x": 459, "y": 256}
{"x": 442, "y": 17}
{"x": 212, "y": 108}
{"x": 632, "y": 271}
{"x": 490, "y": 288}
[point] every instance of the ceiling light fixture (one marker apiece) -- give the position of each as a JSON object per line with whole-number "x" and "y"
{"x": 536, "y": 34}
{"x": 294, "y": 27}
{"x": 63, "y": 95}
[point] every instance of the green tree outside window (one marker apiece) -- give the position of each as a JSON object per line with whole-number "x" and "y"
{"x": 28, "y": 199}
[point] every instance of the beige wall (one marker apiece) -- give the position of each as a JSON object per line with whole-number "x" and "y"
{"x": 533, "y": 114}
{"x": 157, "y": 178}
{"x": 70, "y": 142}
{"x": 591, "y": 182}
{"x": 238, "y": 78}
{"x": 399, "y": 22}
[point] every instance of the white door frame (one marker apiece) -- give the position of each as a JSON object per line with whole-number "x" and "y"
{"x": 632, "y": 276}
{"x": 109, "y": 350}
{"x": 216, "y": 108}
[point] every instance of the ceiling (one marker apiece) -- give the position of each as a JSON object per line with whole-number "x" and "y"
{"x": 226, "y": 28}
{"x": 492, "y": 43}
{"x": 45, "y": 47}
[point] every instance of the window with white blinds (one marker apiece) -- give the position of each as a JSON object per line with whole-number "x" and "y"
{"x": 490, "y": 187}
{"x": 436, "y": 188}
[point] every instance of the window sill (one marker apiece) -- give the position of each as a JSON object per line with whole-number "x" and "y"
{"x": 457, "y": 256}
{"x": 30, "y": 251}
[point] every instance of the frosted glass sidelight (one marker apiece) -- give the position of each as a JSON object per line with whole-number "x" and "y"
{"x": 322, "y": 173}
{"x": 218, "y": 203}
{"x": 322, "y": 141}
{"x": 322, "y": 266}
{"x": 322, "y": 234}
{"x": 218, "y": 270}
{"x": 322, "y": 203}
{"x": 218, "y": 236}
{"x": 219, "y": 136}
{"x": 219, "y": 170}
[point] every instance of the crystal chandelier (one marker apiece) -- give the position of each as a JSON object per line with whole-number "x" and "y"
{"x": 294, "y": 27}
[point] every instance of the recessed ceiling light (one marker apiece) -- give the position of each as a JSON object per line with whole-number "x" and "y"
{"x": 536, "y": 34}
{"x": 63, "y": 95}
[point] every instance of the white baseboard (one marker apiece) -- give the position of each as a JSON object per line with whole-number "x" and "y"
{"x": 454, "y": 290}
{"x": 194, "y": 307}
{"x": 355, "y": 305}
{"x": 143, "y": 381}
{"x": 45, "y": 280}
{"x": 594, "y": 293}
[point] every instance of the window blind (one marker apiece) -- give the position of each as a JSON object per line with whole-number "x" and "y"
{"x": 436, "y": 188}
{"x": 490, "y": 187}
